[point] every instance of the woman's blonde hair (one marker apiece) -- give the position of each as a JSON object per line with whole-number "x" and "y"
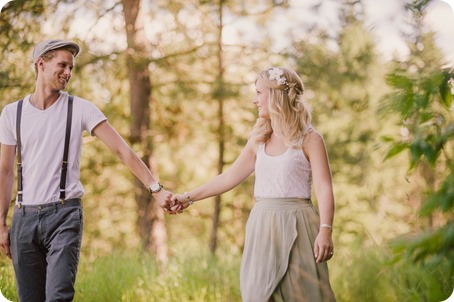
{"x": 290, "y": 116}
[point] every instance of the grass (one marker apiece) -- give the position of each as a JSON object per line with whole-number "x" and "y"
{"x": 357, "y": 275}
{"x": 125, "y": 277}
{"x": 371, "y": 275}
{"x": 7, "y": 286}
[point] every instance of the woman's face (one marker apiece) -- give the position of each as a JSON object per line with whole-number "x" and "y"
{"x": 261, "y": 98}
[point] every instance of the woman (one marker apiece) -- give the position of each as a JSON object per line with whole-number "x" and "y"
{"x": 287, "y": 243}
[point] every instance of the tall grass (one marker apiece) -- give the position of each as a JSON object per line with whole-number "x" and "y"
{"x": 372, "y": 275}
{"x": 138, "y": 278}
{"x": 7, "y": 285}
{"x": 357, "y": 274}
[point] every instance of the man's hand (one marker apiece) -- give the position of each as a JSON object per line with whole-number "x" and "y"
{"x": 164, "y": 199}
{"x": 180, "y": 202}
{"x": 4, "y": 240}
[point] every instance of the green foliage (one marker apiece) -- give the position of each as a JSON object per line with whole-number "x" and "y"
{"x": 373, "y": 276}
{"x": 7, "y": 281}
{"x": 442, "y": 199}
{"x": 422, "y": 98}
{"x": 424, "y": 105}
{"x": 434, "y": 247}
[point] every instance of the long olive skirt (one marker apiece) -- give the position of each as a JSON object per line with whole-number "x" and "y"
{"x": 278, "y": 258}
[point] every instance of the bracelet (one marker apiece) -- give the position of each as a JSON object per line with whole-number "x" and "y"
{"x": 324, "y": 225}
{"x": 186, "y": 195}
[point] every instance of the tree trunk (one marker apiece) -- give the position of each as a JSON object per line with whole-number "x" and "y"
{"x": 150, "y": 220}
{"x": 221, "y": 130}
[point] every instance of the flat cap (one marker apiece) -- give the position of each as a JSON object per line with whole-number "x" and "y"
{"x": 44, "y": 46}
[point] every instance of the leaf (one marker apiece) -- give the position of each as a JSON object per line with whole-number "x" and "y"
{"x": 442, "y": 199}
{"x": 396, "y": 149}
{"x": 416, "y": 151}
{"x": 387, "y": 139}
{"x": 445, "y": 88}
{"x": 399, "y": 81}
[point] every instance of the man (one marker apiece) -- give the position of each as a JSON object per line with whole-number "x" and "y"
{"x": 45, "y": 238}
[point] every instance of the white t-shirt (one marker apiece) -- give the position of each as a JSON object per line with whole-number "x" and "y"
{"x": 43, "y": 139}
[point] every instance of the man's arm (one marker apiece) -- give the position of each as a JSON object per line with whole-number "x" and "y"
{"x": 121, "y": 149}
{"x": 7, "y": 154}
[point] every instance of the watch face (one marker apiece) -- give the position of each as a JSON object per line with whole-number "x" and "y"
{"x": 155, "y": 186}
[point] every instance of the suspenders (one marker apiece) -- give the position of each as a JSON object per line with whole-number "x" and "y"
{"x": 64, "y": 165}
{"x": 19, "y": 155}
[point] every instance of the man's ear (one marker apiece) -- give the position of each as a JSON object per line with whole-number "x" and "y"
{"x": 40, "y": 64}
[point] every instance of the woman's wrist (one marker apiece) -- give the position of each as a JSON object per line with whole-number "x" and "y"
{"x": 188, "y": 198}
{"x": 326, "y": 226}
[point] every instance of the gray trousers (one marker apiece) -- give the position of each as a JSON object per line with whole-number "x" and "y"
{"x": 45, "y": 248}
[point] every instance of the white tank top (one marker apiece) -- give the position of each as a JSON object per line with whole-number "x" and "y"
{"x": 284, "y": 176}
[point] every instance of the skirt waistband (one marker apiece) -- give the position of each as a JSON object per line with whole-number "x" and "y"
{"x": 282, "y": 203}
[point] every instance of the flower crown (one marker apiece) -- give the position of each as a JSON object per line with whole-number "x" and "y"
{"x": 277, "y": 74}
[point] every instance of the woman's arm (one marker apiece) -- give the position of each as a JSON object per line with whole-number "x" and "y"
{"x": 243, "y": 166}
{"x": 315, "y": 149}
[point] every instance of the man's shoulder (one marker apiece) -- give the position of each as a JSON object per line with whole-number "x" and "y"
{"x": 86, "y": 108}
{"x": 76, "y": 98}
{"x": 79, "y": 101}
{"x": 11, "y": 106}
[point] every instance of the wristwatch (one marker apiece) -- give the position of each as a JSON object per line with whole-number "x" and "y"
{"x": 155, "y": 187}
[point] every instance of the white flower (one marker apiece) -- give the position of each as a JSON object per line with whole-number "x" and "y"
{"x": 281, "y": 81}
{"x": 277, "y": 74}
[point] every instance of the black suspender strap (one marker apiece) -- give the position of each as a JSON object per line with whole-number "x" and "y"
{"x": 19, "y": 157}
{"x": 64, "y": 164}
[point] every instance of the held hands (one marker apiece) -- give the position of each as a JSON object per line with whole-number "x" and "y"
{"x": 181, "y": 201}
{"x": 173, "y": 203}
{"x": 163, "y": 197}
{"x": 177, "y": 203}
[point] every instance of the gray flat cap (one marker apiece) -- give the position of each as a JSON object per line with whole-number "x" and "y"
{"x": 44, "y": 46}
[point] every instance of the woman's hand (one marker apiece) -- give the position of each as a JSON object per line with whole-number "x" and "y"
{"x": 178, "y": 203}
{"x": 323, "y": 246}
